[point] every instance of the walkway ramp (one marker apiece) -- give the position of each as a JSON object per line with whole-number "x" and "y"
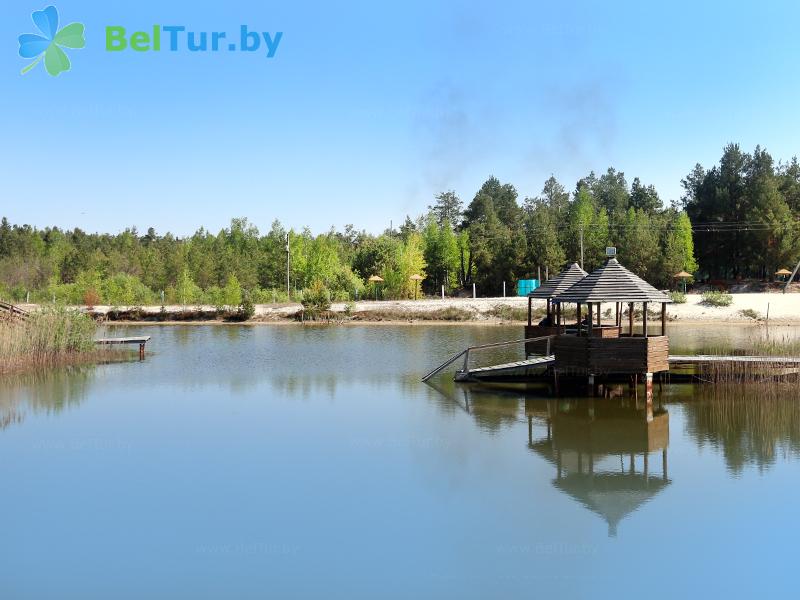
{"x": 519, "y": 369}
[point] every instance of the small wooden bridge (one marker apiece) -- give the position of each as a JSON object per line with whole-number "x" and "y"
{"x": 11, "y": 311}
{"x": 141, "y": 340}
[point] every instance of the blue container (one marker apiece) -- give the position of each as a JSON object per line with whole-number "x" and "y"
{"x": 526, "y": 286}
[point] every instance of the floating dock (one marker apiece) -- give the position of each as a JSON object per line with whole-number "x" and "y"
{"x": 141, "y": 341}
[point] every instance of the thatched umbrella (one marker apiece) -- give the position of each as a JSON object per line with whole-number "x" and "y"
{"x": 416, "y": 279}
{"x": 783, "y": 273}
{"x": 376, "y": 279}
{"x": 684, "y": 276}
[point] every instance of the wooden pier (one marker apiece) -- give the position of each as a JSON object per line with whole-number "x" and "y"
{"x": 141, "y": 341}
{"x": 707, "y": 359}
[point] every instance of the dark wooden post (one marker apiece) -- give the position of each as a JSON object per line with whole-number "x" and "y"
{"x": 141, "y": 351}
{"x": 630, "y": 317}
{"x": 549, "y": 310}
{"x": 616, "y": 314}
{"x": 579, "y": 318}
{"x": 530, "y": 302}
{"x": 663, "y": 318}
{"x": 598, "y": 315}
{"x": 644, "y": 319}
{"x": 558, "y": 314}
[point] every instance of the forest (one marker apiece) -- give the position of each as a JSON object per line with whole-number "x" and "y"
{"x": 736, "y": 219}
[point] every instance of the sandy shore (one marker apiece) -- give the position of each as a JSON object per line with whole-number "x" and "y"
{"x": 782, "y": 308}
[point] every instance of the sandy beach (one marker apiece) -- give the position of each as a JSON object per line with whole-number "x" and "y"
{"x": 746, "y": 308}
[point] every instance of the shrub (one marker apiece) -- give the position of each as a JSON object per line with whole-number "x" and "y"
{"x": 91, "y": 298}
{"x": 316, "y": 301}
{"x": 247, "y": 309}
{"x": 717, "y": 299}
{"x": 232, "y": 292}
{"x": 450, "y": 313}
{"x": 270, "y": 296}
{"x": 508, "y": 313}
{"x": 678, "y": 297}
{"x": 750, "y": 314}
{"x": 126, "y": 290}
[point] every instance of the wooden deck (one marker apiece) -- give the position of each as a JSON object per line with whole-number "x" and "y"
{"x": 124, "y": 340}
{"x": 520, "y": 368}
{"x": 141, "y": 341}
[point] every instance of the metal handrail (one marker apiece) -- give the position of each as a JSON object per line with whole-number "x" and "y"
{"x": 465, "y": 353}
{"x": 444, "y": 365}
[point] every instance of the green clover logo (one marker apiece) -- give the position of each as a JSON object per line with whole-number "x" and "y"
{"x": 48, "y": 45}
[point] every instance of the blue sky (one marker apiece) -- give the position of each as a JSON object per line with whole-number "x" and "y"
{"x": 368, "y": 109}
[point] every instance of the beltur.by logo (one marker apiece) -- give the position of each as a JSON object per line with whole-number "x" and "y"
{"x": 176, "y": 37}
{"x": 49, "y": 44}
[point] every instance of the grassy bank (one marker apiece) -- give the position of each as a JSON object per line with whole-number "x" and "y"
{"x": 49, "y": 337}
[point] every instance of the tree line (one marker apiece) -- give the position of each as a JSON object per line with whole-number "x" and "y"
{"x": 739, "y": 218}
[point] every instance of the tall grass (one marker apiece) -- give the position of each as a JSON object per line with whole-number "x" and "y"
{"x": 678, "y": 297}
{"x": 717, "y": 299}
{"x": 776, "y": 347}
{"x": 47, "y": 337}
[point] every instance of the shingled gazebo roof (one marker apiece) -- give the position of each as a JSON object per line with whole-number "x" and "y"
{"x": 560, "y": 283}
{"x": 612, "y": 283}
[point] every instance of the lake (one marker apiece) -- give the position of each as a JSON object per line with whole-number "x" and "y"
{"x": 311, "y": 462}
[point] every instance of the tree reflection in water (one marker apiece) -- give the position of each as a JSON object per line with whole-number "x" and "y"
{"x": 42, "y": 391}
{"x": 751, "y": 425}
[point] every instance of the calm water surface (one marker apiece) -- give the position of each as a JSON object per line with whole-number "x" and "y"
{"x": 291, "y": 462}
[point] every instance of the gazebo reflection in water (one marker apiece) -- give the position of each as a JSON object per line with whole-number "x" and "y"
{"x": 601, "y": 451}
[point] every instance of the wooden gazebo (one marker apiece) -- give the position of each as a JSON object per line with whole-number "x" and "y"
{"x": 548, "y": 291}
{"x": 608, "y": 350}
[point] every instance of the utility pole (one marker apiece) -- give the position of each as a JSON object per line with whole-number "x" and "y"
{"x": 288, "y": 295}
{"x": 581, "y": 229}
